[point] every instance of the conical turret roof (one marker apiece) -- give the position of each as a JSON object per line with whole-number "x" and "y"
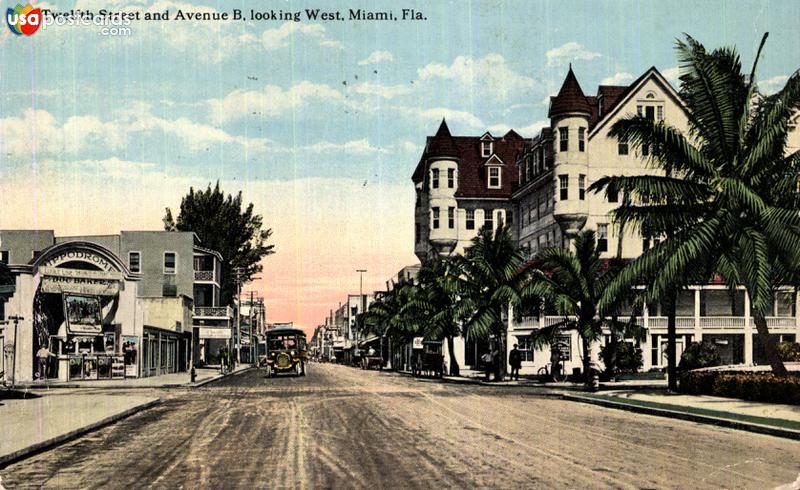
{"x": 570, "y": 98}
{"x": 442, "y": 144}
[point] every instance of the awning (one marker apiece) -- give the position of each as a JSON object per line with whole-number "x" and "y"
{"x": 368, "y": 340}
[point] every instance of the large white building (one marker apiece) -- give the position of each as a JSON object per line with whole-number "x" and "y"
{"x": 539, "y": 187}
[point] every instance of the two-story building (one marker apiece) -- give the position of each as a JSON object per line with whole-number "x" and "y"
{"x": 109, "y": 306}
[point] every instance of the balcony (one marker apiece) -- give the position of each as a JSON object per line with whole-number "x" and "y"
{"x": 205, "y": 276}
{"x": 213, "y": 312}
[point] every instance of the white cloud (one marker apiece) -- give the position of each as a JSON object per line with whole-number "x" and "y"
{"x": 434, "y": 115}
{"x": 672, "y": 74}
{"x": 618, "y": 78}
{"x": 332, "y": 44}
{"x": 384, "y": 91}
{"x": 772, "y": 85}
{"x": 280, "y": 37}
{"x": 377, "y": 57}
{"x": 569, "y": 52}
{"x": 488, "y": 76}
{"x": 271, "y": 101}
{"x": 356, "y": 147}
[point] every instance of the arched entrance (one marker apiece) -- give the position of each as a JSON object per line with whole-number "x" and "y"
{"x": 77, "y": 326}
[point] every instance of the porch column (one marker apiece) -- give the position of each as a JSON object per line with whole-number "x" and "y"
{"x": 748, "y": 331}
{"x": 698, "y": 329}
{"x": 646, "y": 357}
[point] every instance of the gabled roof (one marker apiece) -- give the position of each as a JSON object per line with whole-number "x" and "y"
{"x": 487, "y": 136}
{"x": 570, "y": 98}
{"x": 494, "y": 160}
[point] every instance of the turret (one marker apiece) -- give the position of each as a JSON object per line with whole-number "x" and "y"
{"x": 442, "y": 161}
{"x": 570, "y": 114}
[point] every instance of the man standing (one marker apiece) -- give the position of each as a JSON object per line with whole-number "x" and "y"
{"x": 487, "y": 363}
{"x": 43, "y": 356}
{"x": 515, "y": 360}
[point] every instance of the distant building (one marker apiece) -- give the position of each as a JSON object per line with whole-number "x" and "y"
{"x": 141, "y": 303}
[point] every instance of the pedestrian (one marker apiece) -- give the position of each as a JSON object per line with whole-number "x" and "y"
{"x": 515, "y": 360}
{"x": 487, "y": 363}
{"x": 43, "y": 356}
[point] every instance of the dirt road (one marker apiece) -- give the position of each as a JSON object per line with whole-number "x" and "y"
{"x": 345, "y": 428}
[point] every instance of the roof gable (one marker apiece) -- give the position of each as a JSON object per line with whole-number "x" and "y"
{"x": 494, "y": 160}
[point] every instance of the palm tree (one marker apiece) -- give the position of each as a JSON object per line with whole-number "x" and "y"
{"x": 433, "y": 302}
{"x": 574, "y": 283}
{"x": 727, "y": 199}
{"x": 386, "y": 316}
{"x": 488, "y": 282}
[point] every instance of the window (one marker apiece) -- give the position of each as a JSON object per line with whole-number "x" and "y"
{"x": 639, "y": 110}
{"x": 660, "y": 113}
{"x": 581, "y": 139}
{"x": 563, "y": 185}
{"x": 170, "y": 263}
{"x": 581, "y": 187}
{"x": 451, "y": 217}
{"x": 622, "y": 146}
{"x": 451, "y": 178}
{"x": 4, "y": 256}
{"x": 509, "y": 217}
{"x": 542, "y": 159}
{"x": 435, "y": 178}
{"x": 435, "y": 217}
{"x": 613, "y": 195}
{"x": 528, "y": 169}
{"x": 488, "y": 219}
{"x": 494, "y": 177}
{"x": 135, "y": 261}
{"x": 563, "y": 139}
{"x": 486, "y": 148}
{"x": 525, "y": 348}
{"x": 602, "y": 237}
{"x": 470, "y": 219}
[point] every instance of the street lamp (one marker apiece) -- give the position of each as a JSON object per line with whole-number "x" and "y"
{"x": 16, "y": 319}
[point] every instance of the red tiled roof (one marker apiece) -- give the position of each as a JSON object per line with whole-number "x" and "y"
{"x": 442, "y": 145}
{"x": 570, "y": 98}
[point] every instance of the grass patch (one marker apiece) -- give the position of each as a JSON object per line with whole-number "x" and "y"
{"x": 771, "y": 422}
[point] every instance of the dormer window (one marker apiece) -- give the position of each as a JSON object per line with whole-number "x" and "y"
{"x": 494, "y": 178}
{"x": 486, "y": 149}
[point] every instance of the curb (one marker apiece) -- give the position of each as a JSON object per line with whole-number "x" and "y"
{"x": 39, "y": 447}
{"x": 217, "y": 378}
{"x": 40, "y": 387}
{"x": 703, "y": 419}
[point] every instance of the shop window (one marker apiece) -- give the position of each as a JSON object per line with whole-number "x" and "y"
{"x": 170, "y": 263}
{"x": 135, "y": 261}
{"x": 470, "y": 219}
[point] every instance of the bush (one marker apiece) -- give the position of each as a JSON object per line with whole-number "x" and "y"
{"x": 761, "y": 386}
{"x": 789, "y": 351}
{"x": 621, "y": 357}
{"x": 699, "y": 355}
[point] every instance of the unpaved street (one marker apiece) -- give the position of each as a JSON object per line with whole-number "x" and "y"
{"x": 345, "y": 428}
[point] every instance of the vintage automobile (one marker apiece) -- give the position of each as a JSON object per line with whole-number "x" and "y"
{"x": 286, "y": 351}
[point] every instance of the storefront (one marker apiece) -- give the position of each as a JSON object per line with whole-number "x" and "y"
{"x": 77, "y": 303}
{"x": 164, "y": 351}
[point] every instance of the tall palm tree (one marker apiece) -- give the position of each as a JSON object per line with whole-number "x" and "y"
{"x": 726, "y": 201}
{"x": 433, "y": 302}
{"x": 574, "y": 283}
{"x": 386, "y": 316}
{"x": 488, "y": 282}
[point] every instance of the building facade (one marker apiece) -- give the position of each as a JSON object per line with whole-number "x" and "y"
{"x": 104, "y": 306}
{"x": 547, "y": 203}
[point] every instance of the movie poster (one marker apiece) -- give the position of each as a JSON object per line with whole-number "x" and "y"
{"x": 82, "y": 314}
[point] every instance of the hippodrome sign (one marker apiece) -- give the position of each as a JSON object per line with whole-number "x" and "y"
{"x": 82, "y": 256}
{"x": 99, "y": 283}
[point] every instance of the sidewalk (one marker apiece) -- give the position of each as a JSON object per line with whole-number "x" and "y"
{"x": 765, "y": 418}
{"x": 35, "y": 424}
{"x": 173, "y": 380}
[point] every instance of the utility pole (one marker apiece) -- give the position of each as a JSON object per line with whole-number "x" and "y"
{"x": 237, "y": 271}
{"x": 16, "y": 319}
{"x": 361, "y": 300}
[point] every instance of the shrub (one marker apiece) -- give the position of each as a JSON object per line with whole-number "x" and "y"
{"x": 789, "y": 351}
{"x": 621, "y": 357}
{"x": 760, "y": 386}
{"x": 699, "y": 355}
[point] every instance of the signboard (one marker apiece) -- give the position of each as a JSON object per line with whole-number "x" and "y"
{"x": 97, "y": 283}
{"x": 417, "y": 342}
{"x": 82, "y": 314}
{"x": 214, "y": 333}
{"x": 117, "y": 367}
{"x": 79, "y": 256}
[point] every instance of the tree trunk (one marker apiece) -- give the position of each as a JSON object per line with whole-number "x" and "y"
{"x": 770, "y": 348}
{"x": 672, "y": 371}
{"x": 587, "y": 363}
{"x": 454, "y": 370}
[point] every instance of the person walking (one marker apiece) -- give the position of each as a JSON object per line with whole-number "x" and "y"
{"x": 487, "y": 364}
{"x": 43, "y": 355}
{"x": 515, "y": 360}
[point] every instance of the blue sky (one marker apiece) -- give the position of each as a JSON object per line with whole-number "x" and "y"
{"x": 312, "y": 120}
